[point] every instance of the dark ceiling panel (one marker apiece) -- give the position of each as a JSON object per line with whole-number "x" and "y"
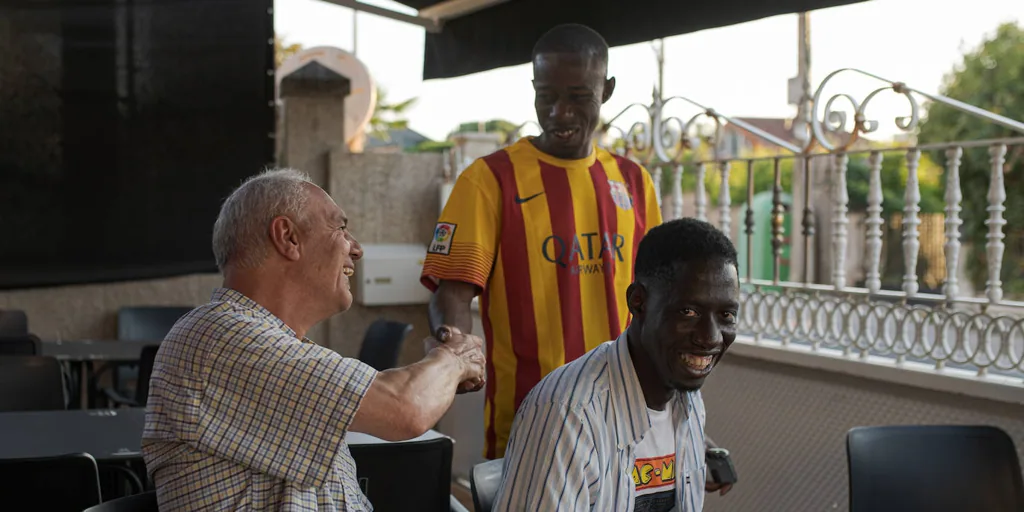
{"x": 503, "y": 35}
{"x": 418, "y": 4}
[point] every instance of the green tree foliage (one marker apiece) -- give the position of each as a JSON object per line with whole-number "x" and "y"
{"x": 431, "y": 146}
{"x": 283, "y": 50}
{"x": 389, "y": 116}
{"x": 991, "y": 77}
{"x": 894, "y": 181}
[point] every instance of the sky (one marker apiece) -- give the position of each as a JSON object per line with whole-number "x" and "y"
{"x": 740, "y": 70}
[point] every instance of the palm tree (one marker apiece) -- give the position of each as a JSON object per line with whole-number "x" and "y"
{"x": 389, "y": 116}
{"x": 283, "y": 50}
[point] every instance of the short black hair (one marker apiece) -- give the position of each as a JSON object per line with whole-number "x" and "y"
{"x": 681, "y": 241}
{"x": 572, "y": 38}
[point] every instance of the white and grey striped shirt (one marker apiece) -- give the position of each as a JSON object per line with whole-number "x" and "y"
{"x": 574, "y": 439}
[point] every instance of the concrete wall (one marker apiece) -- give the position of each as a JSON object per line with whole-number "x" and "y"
{"x": 786, "y": 428}
{"x": 308, "y": 129}
{"x": 90, "y": 311}
{"x": 389, "y": 198}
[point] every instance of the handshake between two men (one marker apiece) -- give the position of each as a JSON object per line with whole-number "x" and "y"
{"x": 467, "y": 348}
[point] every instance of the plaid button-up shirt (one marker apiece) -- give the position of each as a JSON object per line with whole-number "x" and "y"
{"x": 244, "y": 415}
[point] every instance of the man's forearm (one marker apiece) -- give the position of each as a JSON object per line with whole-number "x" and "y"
{"x": 451, "y": 306}
{"x": 415, "y": 396}
{"x": 433, "y": 383}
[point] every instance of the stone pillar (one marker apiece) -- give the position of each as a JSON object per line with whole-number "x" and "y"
{"x": 312, "y": 125}
{"x": 312, "y": 119}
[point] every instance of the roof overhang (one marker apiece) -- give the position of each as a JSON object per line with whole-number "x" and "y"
{"x": 431, "y": 18}
{"x": 469, "y": 36}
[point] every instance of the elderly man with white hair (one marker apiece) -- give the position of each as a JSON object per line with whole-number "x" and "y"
{"x": 245, "y": 412}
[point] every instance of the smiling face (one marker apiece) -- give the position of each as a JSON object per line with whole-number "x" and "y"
{"x": 329, "y": 253}
{"x": 569, "y": 91}
{"x": 687, "y": 325}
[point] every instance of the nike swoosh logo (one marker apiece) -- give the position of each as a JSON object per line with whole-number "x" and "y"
{"x": 521, "y": 200}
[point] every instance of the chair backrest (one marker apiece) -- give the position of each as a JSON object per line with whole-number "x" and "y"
{"x": 30, "y": 383}
{"x": 148, "y": 323}
{"x": 145, "y": 372}
{"x": 67, "y": 483}
{"x": 19, "y": 345}
{"x": 382, "y": 343}
{"x": 144, "y": 502}
{"x": 933, "y": 468}
{"x": 484, "y": 480}
{"x": 13, "y": 322}
{"x": 415, "y": 475}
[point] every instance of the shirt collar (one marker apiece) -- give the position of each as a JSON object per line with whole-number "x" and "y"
{"x": 631, "y": 419}
{"x": 240, "y": 299}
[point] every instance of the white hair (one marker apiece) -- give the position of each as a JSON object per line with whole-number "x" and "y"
{"x": 241, "y": 233}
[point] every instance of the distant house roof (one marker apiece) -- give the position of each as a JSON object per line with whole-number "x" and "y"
{"x": 778, "y": 127}
{"x": 400, "y": 139}
{"x": 781, "y": 128}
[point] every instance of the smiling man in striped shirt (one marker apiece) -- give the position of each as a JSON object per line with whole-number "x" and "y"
{"x": 622, "y": 428}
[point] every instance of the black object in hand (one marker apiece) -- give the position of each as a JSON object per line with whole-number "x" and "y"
{"x": 720, "y": 466}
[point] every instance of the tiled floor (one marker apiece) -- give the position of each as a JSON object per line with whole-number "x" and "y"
{"x": 462, "y": 494}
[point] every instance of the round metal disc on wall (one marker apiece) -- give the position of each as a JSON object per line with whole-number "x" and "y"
{"x": 362, "y": 99}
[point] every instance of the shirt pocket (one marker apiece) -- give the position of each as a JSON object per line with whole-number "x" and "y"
{"x": 695, "y": 476}
{"x": 693, "y": 488}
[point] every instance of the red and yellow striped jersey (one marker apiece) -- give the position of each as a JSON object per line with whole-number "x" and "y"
{"x": 551, "y": 243}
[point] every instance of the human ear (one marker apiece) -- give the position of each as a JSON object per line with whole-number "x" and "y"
{"x": 284, "y": 236}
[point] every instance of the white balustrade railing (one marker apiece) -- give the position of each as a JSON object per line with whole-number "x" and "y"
{"x": 984, "y": 334}
{"x": 911, "y": 236}
{"x": 994, "y": 248}
{"x": 874, "y": 223}
{"x": 840, "y": 220}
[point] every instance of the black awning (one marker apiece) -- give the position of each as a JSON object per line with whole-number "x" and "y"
{"x": 504, "y": 34}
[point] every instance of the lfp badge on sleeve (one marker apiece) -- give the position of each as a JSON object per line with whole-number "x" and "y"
{"x": 442, "y": 242}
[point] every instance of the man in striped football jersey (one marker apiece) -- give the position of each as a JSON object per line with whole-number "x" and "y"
{"x": 622, "y": 428}
{"x": 545, "y": 231}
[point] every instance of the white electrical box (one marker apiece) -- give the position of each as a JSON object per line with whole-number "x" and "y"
{"x": 389, "y": 275}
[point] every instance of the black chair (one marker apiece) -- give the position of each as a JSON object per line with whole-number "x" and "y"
{"x": 144, "y": 502}
{"x": 484, "y": 480}
{"x": 414, "y": 475}
{"x": 148, "y": 323}
{"x": 13, "y": 322}
{"x": 933, "y": 468}
{"x": 140, "y": 323}
{"x": 30, "y": 345}
{"x": 68, "y": 483}
{"x": 141, "y": 384}
{"x": 382, "y": 343}
{"x": 31, "y": 383}
{"x": 19, "y": 345}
